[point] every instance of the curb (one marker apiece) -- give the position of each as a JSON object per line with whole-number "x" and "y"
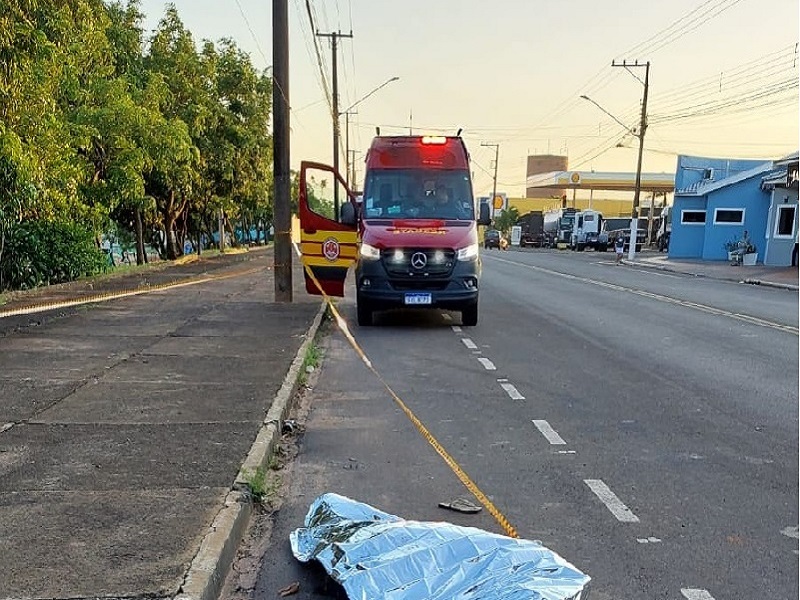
{"x": 210, "y": 567}
{"x": 772, "y": 284}
{"x": 648, "y": 265}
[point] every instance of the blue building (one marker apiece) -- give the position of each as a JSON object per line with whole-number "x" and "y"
{"x": 716, "y": 200}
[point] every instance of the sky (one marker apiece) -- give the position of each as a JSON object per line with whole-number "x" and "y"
{"x": 723, "y": 76}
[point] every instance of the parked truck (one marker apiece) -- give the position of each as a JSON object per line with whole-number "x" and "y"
{"x": 557, "y": 225}
{"x": 532, "y": 225}
{"x": 588, "y": 231}
{"x": 664, "y": 229}
{"x": 616, "y": 227}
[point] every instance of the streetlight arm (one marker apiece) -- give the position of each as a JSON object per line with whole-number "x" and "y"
{"x": 626, "y": 127}
{"x": 385, "y": 83}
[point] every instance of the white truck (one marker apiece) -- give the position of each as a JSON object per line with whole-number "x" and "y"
{"x": 664, "y": 229}
{"x": 588, "y": 231}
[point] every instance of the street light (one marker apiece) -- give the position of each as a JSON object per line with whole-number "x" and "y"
{"x": 638, "y": 185}
{"x": 625, "y": 127}
{"x": 347, "y": 114}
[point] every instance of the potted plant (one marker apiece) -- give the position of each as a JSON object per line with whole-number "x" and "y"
{"x": 750, "y": 255}
{"x": 731, "y": 247}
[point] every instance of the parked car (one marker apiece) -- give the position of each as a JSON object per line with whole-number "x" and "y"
{"x": 492, "y": 239}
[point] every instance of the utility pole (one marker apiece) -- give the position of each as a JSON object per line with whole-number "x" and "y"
{"x": 640, "y": 135}
{"x": 282, "y": 258}
{"x": 354, "y": 186}
{"x": 494, "y": 179}
{"x": 347, "y": 114}
{"x": 334, "y": 36}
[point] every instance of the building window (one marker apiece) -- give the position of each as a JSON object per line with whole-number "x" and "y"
{"x": 729, "y": 216}
{"x": 784, "y": 225}
{"x": 693, "y": 217}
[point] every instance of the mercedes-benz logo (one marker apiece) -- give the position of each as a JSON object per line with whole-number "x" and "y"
{"x": 419, "y": 260}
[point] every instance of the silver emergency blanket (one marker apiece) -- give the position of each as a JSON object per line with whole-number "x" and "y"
{"x": 375, "y": 555}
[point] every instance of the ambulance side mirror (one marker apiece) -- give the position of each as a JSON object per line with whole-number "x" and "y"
{"x": 485, "y": 217}
{"x": 348, "y": 214}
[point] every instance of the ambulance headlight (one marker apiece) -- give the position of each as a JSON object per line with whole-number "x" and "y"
{"x": 468, "y": 253}
{"x": 369, "y": 252}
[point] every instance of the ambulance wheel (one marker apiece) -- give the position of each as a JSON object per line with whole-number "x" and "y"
{"x": 364, "y": 311}
{"x": 469, "y": 315}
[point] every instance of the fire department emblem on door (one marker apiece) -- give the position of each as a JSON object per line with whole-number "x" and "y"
{"x": 330, "y": 249}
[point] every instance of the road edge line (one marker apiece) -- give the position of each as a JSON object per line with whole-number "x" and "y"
{"x": 212, "y": 563}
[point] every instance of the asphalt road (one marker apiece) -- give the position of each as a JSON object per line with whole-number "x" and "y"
{"x": 643, "y": 425}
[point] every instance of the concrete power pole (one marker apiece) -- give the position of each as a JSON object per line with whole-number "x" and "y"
{"x": 494, "y": 179}
{"x": 642, "y": 129}
{"x": 335, "y": 78}
{"x": 282, "y": 259}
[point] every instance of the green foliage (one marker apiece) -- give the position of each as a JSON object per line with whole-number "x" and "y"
{"x": 310, "y": 362}
{"x": 44, "y": 252}
{"x": 99, "y": 122}
{"x": 506, "y": 220}
{"x": 258, "y": 485}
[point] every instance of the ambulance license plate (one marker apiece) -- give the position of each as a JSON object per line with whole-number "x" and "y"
{"x": 416, "y": 299}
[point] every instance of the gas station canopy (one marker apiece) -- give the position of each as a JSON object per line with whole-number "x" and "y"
{"x": 592, "y": 180}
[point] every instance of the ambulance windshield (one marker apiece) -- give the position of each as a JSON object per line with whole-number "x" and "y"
{"x": 418, "y": 194}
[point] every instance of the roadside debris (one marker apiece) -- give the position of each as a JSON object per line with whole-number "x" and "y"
{"x": 461, "y": 505}
{"x": 290, "y": 589}
{"x": 373, "y": 554}
{"x": 289, "y": 427}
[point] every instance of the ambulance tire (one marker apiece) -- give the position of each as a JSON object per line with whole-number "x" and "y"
{"x": 364, "y": 312}
{"x": 469, "y": 315}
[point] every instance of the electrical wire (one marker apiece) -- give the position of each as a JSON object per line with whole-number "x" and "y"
{"x": 252, "y": 34}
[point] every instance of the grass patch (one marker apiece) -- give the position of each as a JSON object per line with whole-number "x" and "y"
{"x": 259, "y": 485}
{"x": 311, "y": 359}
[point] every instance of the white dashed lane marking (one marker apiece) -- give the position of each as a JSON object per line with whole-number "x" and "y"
{"x": 469, "y": 343}
{"x": 487, "y": 364}
{"x": 609, "y": 498}
{"x": 512, "y": 392}
{"x": 456, "y": 329}
{"x": 549, "y": 433}
{"x": 693, "y": 594}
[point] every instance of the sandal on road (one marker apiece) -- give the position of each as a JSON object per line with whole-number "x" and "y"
{"x": 461, "y": 505}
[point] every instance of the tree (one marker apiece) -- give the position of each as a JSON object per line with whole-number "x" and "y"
{"x": 507, "y": 219}
{"x": 185, "y": 107}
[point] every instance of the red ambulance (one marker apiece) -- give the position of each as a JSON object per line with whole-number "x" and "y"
{"x": 412, "y": 234}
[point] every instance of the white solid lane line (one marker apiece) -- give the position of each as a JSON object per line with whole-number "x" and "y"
{"x": 609, "y": 498}
{"x": 692, "y": 594}
{"x": 487, "y": 364}
{"x": 512, "y": 392}
{"x": 456, "y": 328}
{"x": 549, "y": 433}
{"x": 469, "y": 343}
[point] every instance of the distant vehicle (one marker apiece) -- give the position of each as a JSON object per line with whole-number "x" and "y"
{"x": 616, "y": 227}
{"x": 532, "y": 225}
{"x": 491, "y": 239}
{"x": 558, "y": 225}
{"x": 664, "y": 229}
{"x": 588, "y": 231}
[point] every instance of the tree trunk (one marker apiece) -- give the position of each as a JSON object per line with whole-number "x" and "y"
{"x": 140, "y": 255}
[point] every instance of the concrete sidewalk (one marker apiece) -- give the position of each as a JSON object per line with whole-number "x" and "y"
{"x": 779, "y": 277}
{"x": 125, "y": 424}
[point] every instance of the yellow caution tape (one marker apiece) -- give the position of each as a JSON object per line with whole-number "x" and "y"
{"x": 451, "y": 462}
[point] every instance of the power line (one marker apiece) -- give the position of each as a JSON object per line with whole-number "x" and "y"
{"x": 252, "y": 33}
